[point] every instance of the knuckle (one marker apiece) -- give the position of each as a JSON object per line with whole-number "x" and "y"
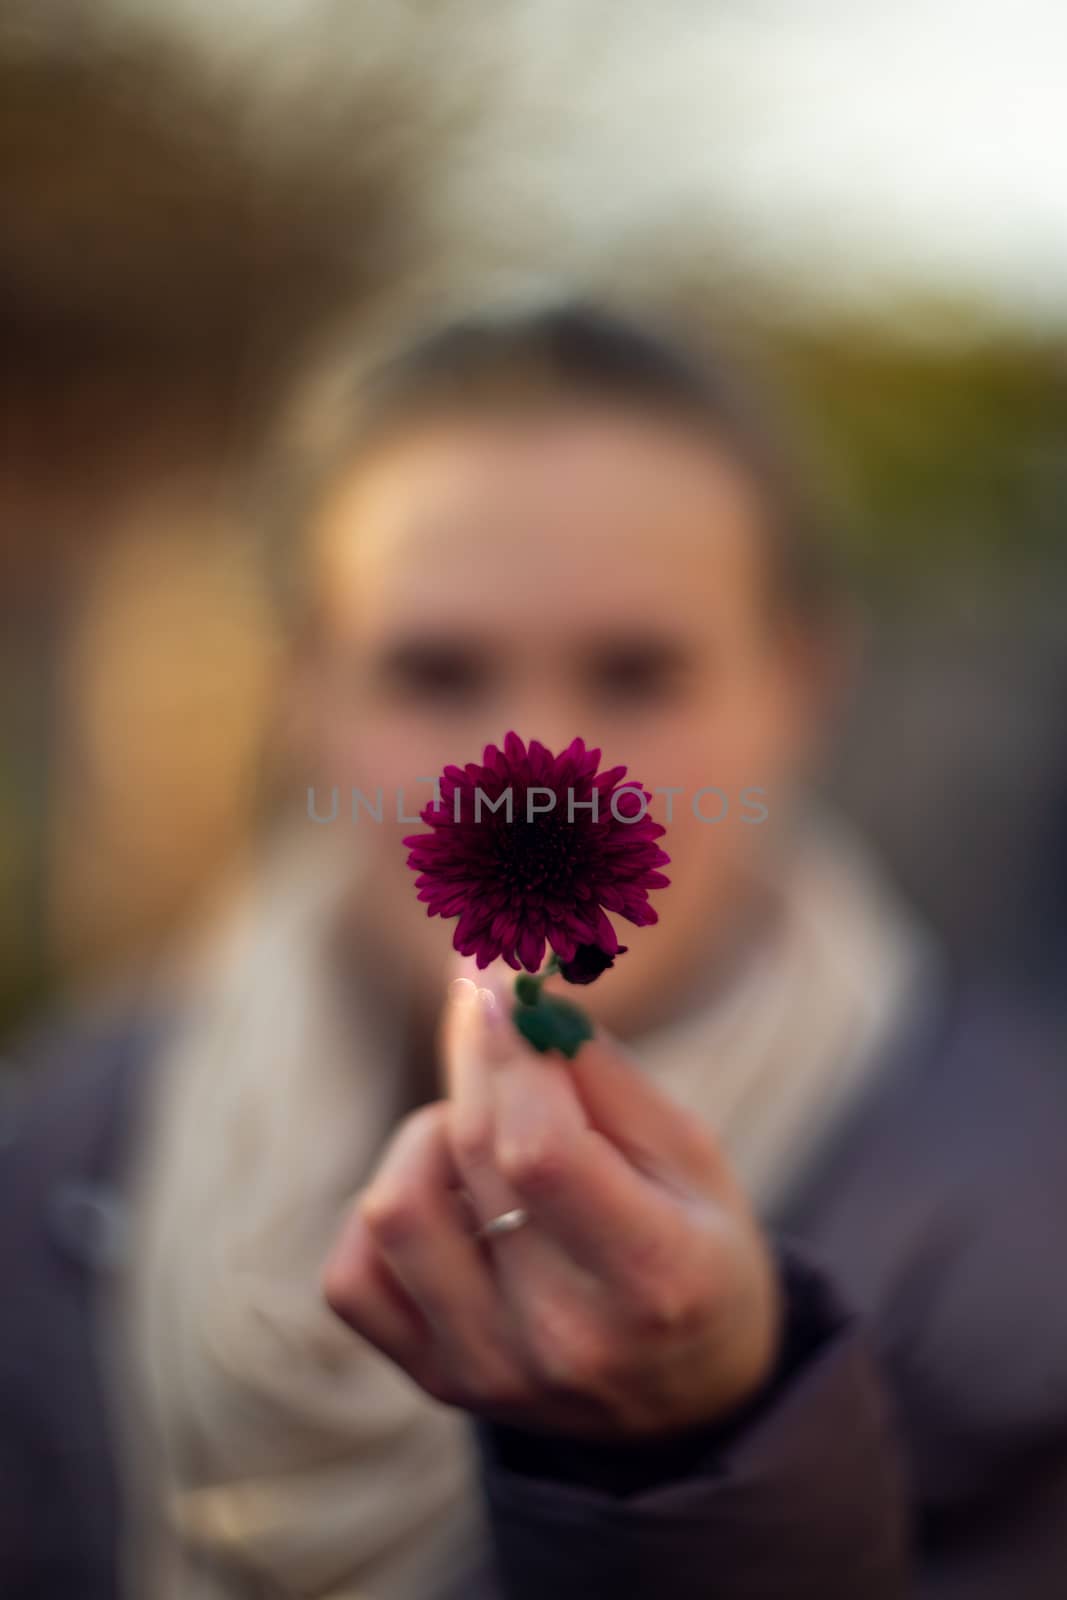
{"x": 571, "y": 1357}
{"x": 392, "y": 1217}
{"x": 577, "y": 1372}
{"x": 666, "y": 1307}
{"x": 339, "y": 1291}
{"x": 427, "y": 1123}
{"x": 348, "y": 1291}
{"x": 663, "y": 1295}
{"x": 533, "y": 1166}
{"x": 492, "y": 1392}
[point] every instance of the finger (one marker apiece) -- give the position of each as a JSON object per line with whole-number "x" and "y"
{"x": 582, "y": 1193}
{"x": 359, "y": 1286}
{"x": 466, "y": 1065}
{"x": 415, "y": 1216}
{"x": 471, "y": 1032}
{"x": 538, "y": 1262}
{"x": 656, "y": 1135}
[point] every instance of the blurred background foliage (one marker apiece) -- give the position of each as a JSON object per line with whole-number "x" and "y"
{"x": 200, "y": 202}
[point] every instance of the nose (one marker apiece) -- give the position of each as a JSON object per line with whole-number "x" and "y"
{"x": 552, "y": 720}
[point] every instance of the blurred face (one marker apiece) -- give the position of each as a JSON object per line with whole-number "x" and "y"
{"x": 579, "y": 573}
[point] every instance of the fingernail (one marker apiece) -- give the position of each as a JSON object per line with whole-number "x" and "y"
{"x": 461, "y": 991}
{"x": 490, "y": 1007}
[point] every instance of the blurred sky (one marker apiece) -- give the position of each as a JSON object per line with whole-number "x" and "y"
{"x": 930, "y": 135}
{"x": 917, "y": 147}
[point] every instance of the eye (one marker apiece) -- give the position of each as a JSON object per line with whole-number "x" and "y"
{"x": 642, "y": 672}
{"x": 428, "y": 672}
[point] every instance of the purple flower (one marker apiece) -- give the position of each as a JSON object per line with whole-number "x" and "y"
{"x": 548, "y": 872}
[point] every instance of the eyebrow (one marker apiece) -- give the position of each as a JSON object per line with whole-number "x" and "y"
{"x": 660, "y": 650}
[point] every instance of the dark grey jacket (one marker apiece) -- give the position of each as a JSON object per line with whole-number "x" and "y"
{"x": 913, "y": 1445}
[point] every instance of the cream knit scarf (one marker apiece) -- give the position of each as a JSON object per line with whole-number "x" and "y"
{"x": 273, "y": 1453}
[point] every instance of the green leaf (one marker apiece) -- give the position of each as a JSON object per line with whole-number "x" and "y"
{"x": 553, "y": 1024}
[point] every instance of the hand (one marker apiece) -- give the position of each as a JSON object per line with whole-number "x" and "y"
{"x": 640, "y": 1298}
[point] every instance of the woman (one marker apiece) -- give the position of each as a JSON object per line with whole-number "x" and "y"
{"x": 560, "y": 524}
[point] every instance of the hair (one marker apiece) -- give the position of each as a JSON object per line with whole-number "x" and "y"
{"x": 575, "y": 353}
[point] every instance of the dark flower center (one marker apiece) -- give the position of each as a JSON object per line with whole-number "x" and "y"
{"x": 544, "y": 853}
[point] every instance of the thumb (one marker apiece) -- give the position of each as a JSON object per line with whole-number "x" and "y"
{"x": 658, "y": 1136}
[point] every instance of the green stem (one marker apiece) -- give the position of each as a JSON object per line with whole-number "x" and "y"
{"x": 527, "y": 989}
{"x": 528, "y": 984}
